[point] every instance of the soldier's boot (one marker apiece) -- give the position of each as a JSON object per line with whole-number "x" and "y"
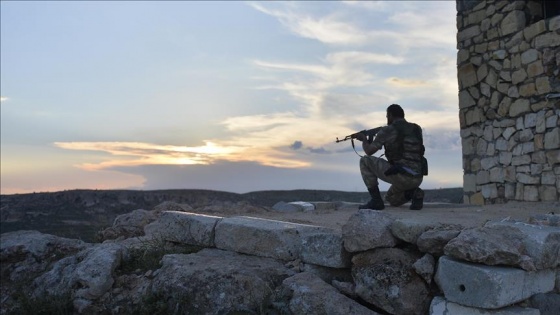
{"x": 417, "y": 197}
{"x": 408, "y": 194}
{"x": 376, "y": 202}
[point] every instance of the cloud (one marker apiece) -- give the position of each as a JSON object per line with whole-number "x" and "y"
{"x": 410, "y": 61}
{"x": 424, "y": 24}
{"x": 347, "y": 68}
{"x": 441, "y": 139}
{"x": 136, "y": 154}
{"x": 369, "y": 5}
{"x": 318, "y": 150}
{"x": 362, "y": 69}
{"x": 3, "y": 99}
{"x": 316, "y": 86}
{"x": 327, "y": 29}
{"x": 296, "y": 145}
{"x": 362, "y": 58}
{"x": 407, "y": 83}
{"x": 405, "y": 24}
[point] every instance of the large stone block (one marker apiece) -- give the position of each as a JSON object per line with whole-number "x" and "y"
{"x": 469, "y": 183}
{"x": 184, "y": 227}
{"x": 465, "y": 99}
{"x": 90, "y": 273}
{"x": 441, "y": 306}
{"x": 527, "y": 90}
{"x": 474, "y": 116}
{"x": 519, "y": 107}
{"x": 534, "y": 69}
{"x": 548, "y": 193}
{"x": 529, "y": 56}
{"x": 468, "y": 145}
{"x": 547, "y": 40}
{"x": 554, "y": 23}
{"x": 214, "y": 281}
{"x": 308, "y": 294}
{"x": 368, "y": 229}
{"x": 386, "y": 278}
{"x": 540, "y": 243}
{"x": 489, "y": 287}
{"x": 514, "y": 41}
{"x": 546, "y": 303}
{"x": 553, "y": 157}
{"x": 409, "y": 230}
{"x": 477, "y": 199}
{"x": 513, "y": 22}
{"x": 552, "y": 139}
{"x": 489, "y": 162}
{"x": 552, "y": 120}
{"x": 508, "y": 244}
{"x": 518, "y": 76}
{"x": 468, "y": 33}
{"x": 433, "y": 241}
{"x": 259, "y": 237}
{"x": 467, "y": 76}
{"x": 325, "y": 249}
{"x": 534, "y": 30}
{"x": 528, "y": 179}
{"x": 281, "y": 240}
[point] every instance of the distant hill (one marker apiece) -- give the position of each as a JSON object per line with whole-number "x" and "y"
{"x": 82, "y": 213}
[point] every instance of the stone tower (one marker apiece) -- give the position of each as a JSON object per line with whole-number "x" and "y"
{"x": 508, "y": 66}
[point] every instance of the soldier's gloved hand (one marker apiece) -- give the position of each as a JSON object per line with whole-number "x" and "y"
{"x": 360, "y": 136}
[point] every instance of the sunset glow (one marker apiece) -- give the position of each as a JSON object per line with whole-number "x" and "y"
{"x": 221, "y": 95}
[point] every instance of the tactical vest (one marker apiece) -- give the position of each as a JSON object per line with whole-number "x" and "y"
{"x": 408, "y": 149}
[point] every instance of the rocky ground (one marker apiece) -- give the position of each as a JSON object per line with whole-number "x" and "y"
{"x": 152, "y": 261}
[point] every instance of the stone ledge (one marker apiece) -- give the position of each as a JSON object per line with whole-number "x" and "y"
{"x": 184, "y": 227}
{"x": 282, "y": 240}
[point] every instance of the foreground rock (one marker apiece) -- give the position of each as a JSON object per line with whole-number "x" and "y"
{"x": 517, "y": 244}
{"x": 187, "y": 263}
{"x": 214, "y": 281}
{"x": 490, "y": 287}
{"x": 306, "y": 293}
{"x": 368, "y": 229}
{"x": 385, "y": 278}
{"x": 184, "y": 227}
{"x": 128, "y": 225}
{"x": 25, "y": 254}
{"x": 440, "y": 306}
{"x": 282, "y": 240}
{"x": 85, "y": 276}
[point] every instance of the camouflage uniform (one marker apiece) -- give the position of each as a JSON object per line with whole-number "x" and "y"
{"x": 373, "y": 168}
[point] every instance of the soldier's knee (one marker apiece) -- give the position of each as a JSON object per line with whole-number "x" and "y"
{"x": 368, "y": 160}
{"x": 395, "y": 199}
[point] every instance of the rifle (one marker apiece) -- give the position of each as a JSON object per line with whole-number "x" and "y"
{"x": 369, "y": 134}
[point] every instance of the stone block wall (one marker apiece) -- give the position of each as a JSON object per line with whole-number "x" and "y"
{"x": 508, "y": 64}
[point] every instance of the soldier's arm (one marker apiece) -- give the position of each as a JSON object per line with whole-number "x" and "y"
{"x": 375, "y": 145}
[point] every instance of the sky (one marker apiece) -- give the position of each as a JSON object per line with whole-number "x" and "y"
{"x": 232, "y": 96}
